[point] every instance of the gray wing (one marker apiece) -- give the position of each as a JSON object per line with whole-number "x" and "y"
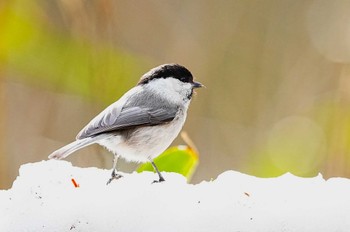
{"x": 129, "y": 117}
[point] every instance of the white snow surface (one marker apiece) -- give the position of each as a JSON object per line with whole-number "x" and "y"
{"x": 43, "y": 198}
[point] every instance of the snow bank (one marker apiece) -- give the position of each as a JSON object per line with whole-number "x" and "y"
{"x": 44, "y": 198}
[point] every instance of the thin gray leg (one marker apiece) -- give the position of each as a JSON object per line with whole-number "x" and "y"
{"x": 114, "y": 175}
{"x": 156, "y": 169}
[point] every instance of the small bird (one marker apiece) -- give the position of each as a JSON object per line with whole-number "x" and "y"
{"x": 144, "y": 121}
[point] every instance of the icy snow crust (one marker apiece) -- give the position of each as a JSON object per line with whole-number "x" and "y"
{"x": 43, "y": 198}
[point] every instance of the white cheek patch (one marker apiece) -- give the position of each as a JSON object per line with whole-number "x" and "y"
{"x": 171, "y": 88}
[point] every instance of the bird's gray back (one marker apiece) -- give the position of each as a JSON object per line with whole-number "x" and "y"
{"x": 140, "y": 108}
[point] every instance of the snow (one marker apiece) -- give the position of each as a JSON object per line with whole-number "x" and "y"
{"x": 44, "y": 198}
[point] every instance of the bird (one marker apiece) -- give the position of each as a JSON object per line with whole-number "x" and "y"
{"x": 143, "y": 122}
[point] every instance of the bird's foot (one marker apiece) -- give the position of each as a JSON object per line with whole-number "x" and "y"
{"x": 114, "y": 176}
{"x": 161, "y": 179}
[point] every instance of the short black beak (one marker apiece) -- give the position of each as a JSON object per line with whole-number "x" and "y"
{"x": 196, "y": 85}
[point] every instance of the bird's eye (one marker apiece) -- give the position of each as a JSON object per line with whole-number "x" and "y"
{"x": 183, "y": 79}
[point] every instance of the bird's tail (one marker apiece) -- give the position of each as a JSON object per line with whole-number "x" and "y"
{"x": 65, "y": 151}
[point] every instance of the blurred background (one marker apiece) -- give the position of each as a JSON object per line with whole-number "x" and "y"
{"x": 277, "y": 75}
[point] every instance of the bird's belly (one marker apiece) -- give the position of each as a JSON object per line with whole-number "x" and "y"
{"x": 144, "y": 143}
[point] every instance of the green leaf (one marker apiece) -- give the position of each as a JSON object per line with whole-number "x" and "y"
{"x": 180, "y": 159}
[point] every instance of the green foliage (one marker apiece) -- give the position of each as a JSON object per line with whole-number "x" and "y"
{"x": 41, "y": 55}
{"x": 180, "y": 159}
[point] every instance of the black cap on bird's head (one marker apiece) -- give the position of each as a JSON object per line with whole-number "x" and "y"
{"x": 169, "y": 70}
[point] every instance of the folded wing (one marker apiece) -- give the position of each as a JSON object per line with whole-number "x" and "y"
{"x": 111, "y": 120}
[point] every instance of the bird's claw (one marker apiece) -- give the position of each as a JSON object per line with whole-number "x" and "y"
{"x": 161, "y": 179}
{"x": 114, "y": 177}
